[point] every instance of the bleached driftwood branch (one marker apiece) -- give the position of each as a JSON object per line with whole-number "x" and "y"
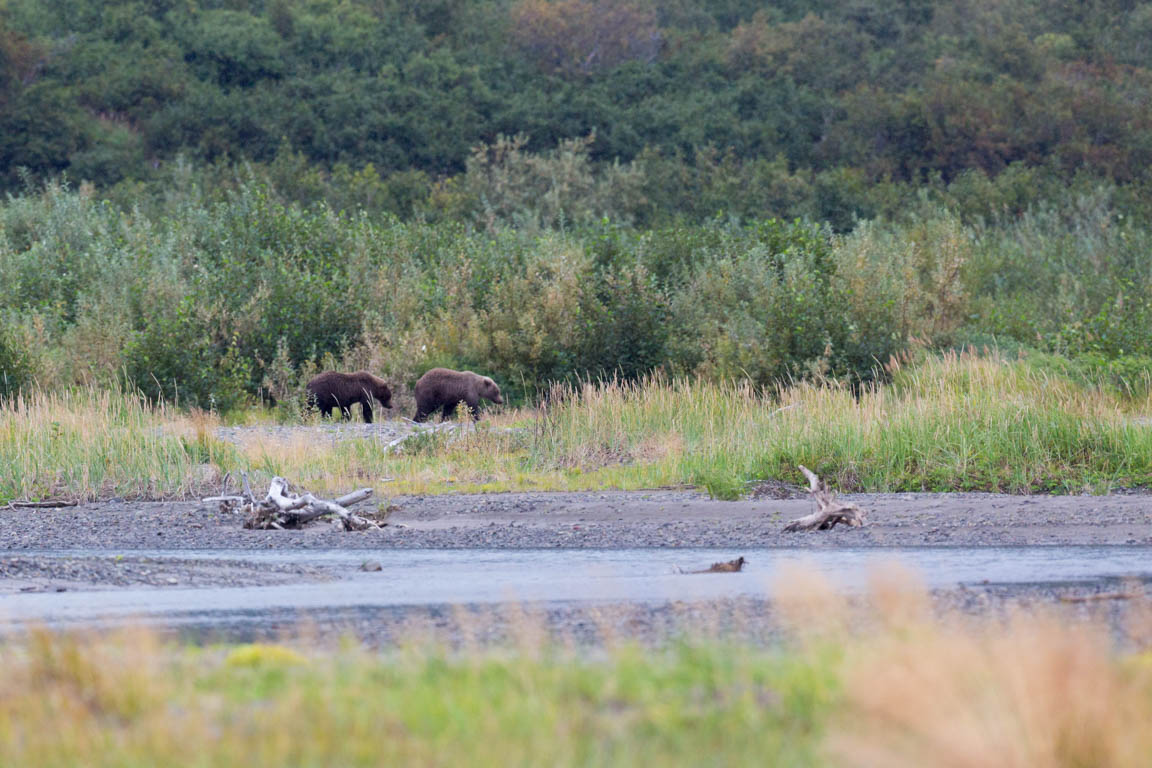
{"x": 419, "y": 429}
{"x": 830, "y": 513}
{"x": 281, "y": 509}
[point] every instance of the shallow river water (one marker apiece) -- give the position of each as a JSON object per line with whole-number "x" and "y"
{"x": 470, "y": 576}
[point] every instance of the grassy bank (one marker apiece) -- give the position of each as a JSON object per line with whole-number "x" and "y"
{"x": 909, "y": 690}
{"x": 958, "y": 422}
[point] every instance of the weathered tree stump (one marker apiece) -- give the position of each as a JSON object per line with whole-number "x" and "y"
{"x": 830, "y": 513}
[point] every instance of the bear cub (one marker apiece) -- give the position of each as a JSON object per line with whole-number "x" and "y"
{"x": 332, "y": 389}
{"x": 444, "y": 389}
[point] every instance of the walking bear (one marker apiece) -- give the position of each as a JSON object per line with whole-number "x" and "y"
{"x": 444, "y": 389}
{"x": 332, "y": 389}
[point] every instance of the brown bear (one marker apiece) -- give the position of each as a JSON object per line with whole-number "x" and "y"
{"x": 444, "y": 389}
{"x": 332, "y": 389}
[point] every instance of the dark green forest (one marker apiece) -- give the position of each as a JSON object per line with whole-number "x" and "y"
{"x": 818, "y": 108}
{"x": 214, "y": 199}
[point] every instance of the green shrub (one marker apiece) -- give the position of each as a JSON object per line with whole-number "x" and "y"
{"x": 16, "y": 368}
{"x": 220, "y": 299}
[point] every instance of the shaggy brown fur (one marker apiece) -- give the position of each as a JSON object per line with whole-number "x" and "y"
{"x": 444, "y": 389}
{"x": 732, "y": 566}
{"x": 332, "y": 389}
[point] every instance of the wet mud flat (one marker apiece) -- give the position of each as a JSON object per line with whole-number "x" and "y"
{"x": 82, "y": 573}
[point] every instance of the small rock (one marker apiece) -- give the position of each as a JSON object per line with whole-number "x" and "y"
{"x": 172, "y": 580}
{"x": 371, "y": 565}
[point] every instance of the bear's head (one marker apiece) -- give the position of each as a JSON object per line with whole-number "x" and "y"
{"x": 489, "y": 390}
{"x": 382, "y": 393}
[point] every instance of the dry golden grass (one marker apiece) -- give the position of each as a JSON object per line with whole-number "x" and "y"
{"x": 960, "y": 422}
{"x": 1032, "y": 688}
{"x": 1034, "y": 692}
{"x": 89, "y": 443}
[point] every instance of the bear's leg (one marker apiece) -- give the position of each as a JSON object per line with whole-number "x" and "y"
{"x": 326, "y": 410}
{"x": 474, "y": 409}
{"x": 346, "y": 412}
{"x": 367, "y": 406}
{"x": 422, "y": 412}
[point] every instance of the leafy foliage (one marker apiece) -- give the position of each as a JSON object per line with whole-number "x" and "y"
{"x": 216, "y": 303}
{"x": 802, "y": 108}
{"x": 215, "y": 198}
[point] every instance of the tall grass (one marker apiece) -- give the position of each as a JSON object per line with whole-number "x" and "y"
{"x": 957, "y": 422}
{"x": 876, "y": 682}
{"x": 90, "y": 443}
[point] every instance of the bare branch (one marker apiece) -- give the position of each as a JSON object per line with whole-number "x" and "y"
{"x": 445, "y": 426}
{"x": 247, "y": 488}
{"x": 813, "y": 481}
{"x": 282, "y": 509}
{"x": 830, "y": 512}
{"x": 348, "y": 499}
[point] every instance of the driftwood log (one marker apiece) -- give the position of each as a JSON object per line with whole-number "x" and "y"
{"x": 281, "y": 509}
{"x": 419, "y": 429}
{"x": 18, "y": 504}
{"x": 830, "y": 513}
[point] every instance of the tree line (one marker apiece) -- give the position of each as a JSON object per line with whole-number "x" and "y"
{"x": 834, "y": 110}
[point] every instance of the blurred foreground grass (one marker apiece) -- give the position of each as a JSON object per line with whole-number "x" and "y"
{"x": 956, "y": 422}
{"x": 886, "y": 682}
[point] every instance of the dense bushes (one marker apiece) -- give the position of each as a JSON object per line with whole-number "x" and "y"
{"x": 805, "y": 108}
{"x": 213, "y": 302}
{"x": 15, "y": 364}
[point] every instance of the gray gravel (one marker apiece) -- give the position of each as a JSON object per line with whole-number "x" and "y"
{"x": 57, "y": 574}
{"x": 601, "y": 519}
{"x": 336, "y": 431}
